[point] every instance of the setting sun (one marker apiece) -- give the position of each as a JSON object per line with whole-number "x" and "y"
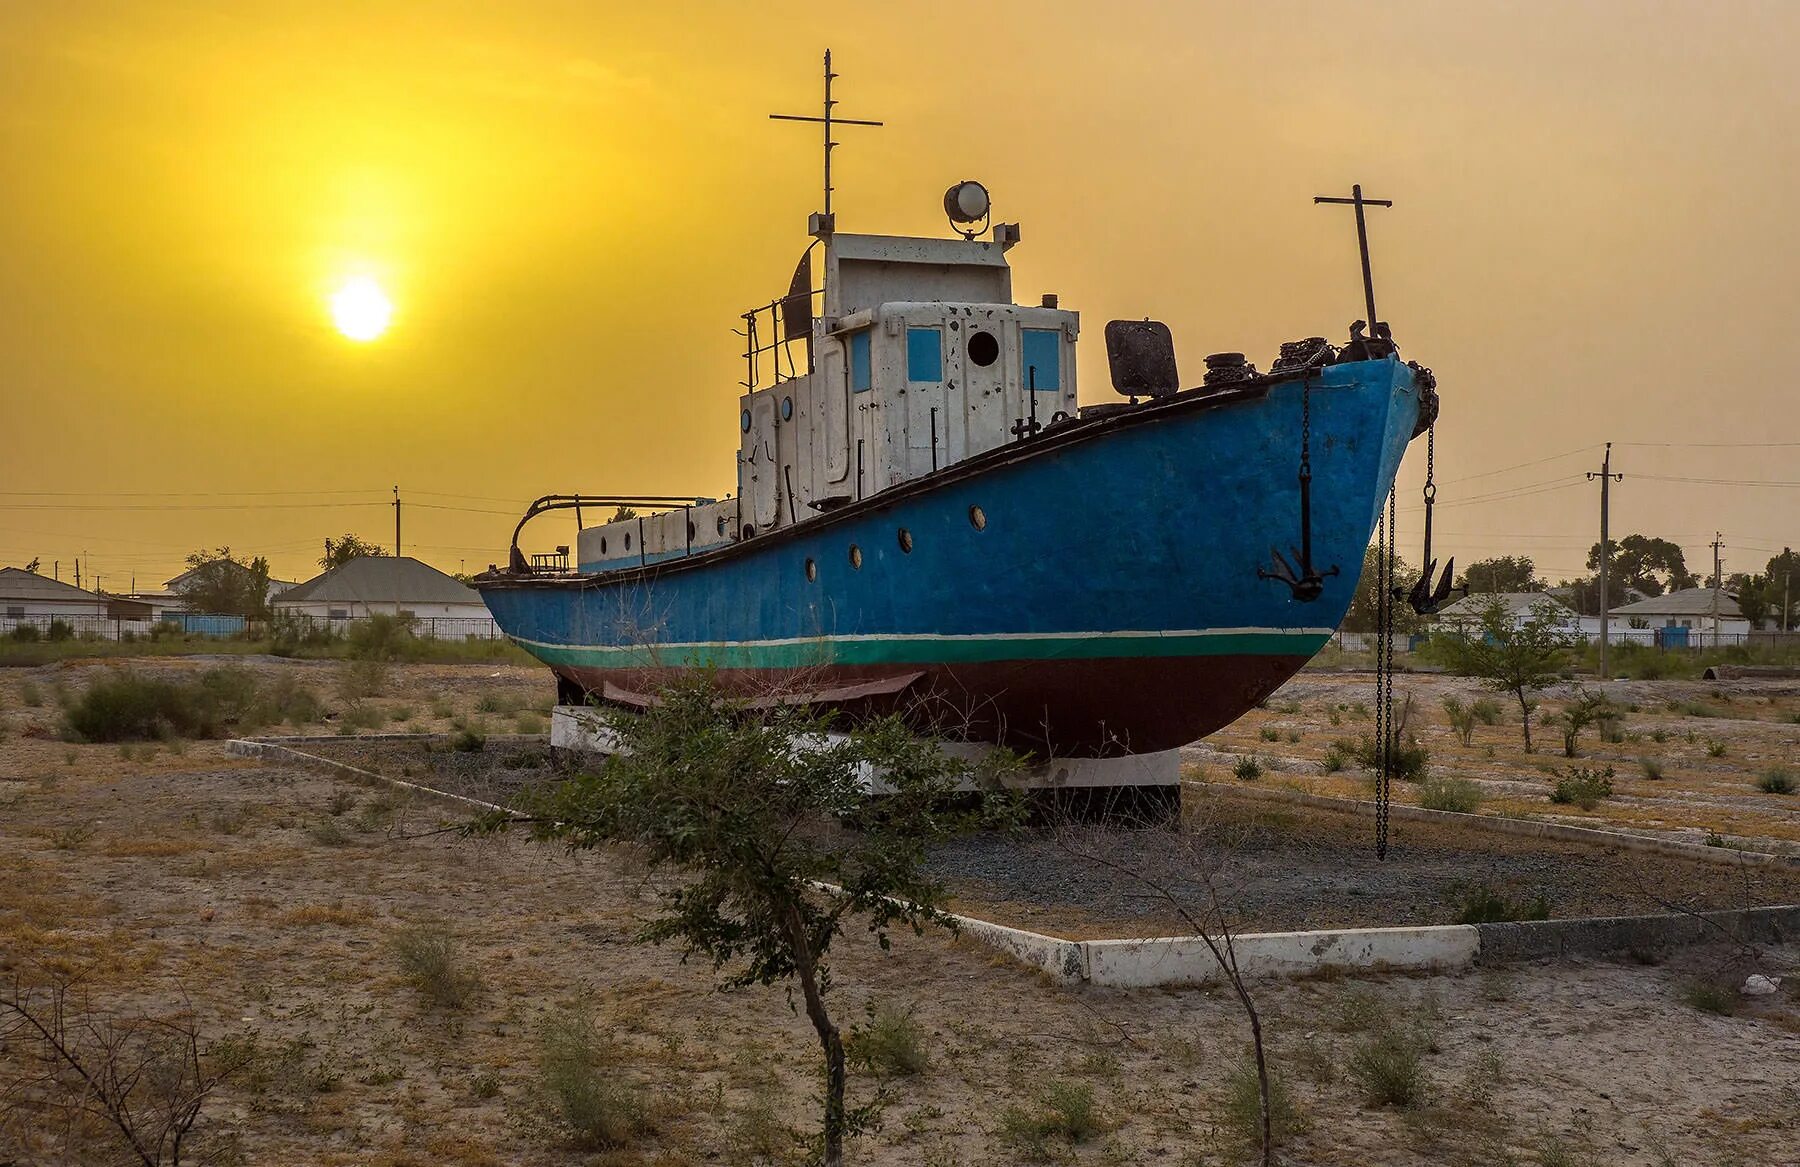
{"x": 360, "y": 309}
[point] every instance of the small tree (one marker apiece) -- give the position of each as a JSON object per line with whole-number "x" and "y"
{"x": 623, "y": 514}
{"x": 1510, "y": 655}
{"x": 341, "y": 551}
{"x": 226, "y": 584}
{"x": 746, "y": 807}
{"x": 1365, "y": 602}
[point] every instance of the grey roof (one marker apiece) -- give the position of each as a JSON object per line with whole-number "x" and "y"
{"x": 381, "y": 579}
{"x": 1475, "y": 605}
{"x": 18, "y": 584}
{"x": 1686, "y": 602}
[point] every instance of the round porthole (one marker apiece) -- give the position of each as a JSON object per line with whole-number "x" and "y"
{"x": 628, "y": 540}
{"x": 690, "y": 532}
{"x": 905, "y": 540}
{"x": 856, "y": 557}
{"x": 978, "y": 518}
{"x": 812, "y": 571}
{"x": 744, "y": 418}
{"x": 721, "y": 525}
{"x": 603, "y": 544}
{"x": 984, "y": 350}
{"x": 787, "y": 409}
{"x": 749, "y": 530}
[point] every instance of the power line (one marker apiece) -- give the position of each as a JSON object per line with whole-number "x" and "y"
{"x": 1521, "y": 465}
{"x": 205, "y": 506}
{"x": 1720, "y": 481}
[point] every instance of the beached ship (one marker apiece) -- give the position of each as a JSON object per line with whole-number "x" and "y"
{"x": 928, "y": 520}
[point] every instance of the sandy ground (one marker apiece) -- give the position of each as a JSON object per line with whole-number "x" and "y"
{"x": 1709, "y": 741}
{"x": 267, "y": 899}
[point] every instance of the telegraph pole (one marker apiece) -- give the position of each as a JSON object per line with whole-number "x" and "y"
{"x": 1607, "y": 478}
{"x": 1718, "y": 583}
{"x": 396, "y": 522}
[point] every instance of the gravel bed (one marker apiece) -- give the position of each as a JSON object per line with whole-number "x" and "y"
{"x": 1275, "y": 868}
{"x": 1290, "y": 869}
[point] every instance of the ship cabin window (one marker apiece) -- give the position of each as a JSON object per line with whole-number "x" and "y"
{"x": 924, "y": 354}
{"x": 861, "y": 373}
{"x": 1043, "y": 352}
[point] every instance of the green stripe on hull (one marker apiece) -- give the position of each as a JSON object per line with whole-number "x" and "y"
{"x": 799, "y": 654}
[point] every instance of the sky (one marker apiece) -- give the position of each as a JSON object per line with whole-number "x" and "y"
{"x": 569, "y": 204}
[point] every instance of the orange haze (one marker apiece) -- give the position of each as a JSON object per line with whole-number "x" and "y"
{"x": 569, "y": 203}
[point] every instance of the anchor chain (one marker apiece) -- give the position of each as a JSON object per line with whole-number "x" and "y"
{"x": 1386, "y": 540}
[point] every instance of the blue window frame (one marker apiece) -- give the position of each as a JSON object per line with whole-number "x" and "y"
{"x": 924, "y": 354}
{"x": 1043, "y": 350}
{"x": 861, "y": 379}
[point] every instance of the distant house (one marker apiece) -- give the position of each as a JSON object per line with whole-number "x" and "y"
{"x": 29, "y": 598}
{"x": 1691, "y": 609}
{"x": 382, "y": 584}
{"x": 1520, "y": 607}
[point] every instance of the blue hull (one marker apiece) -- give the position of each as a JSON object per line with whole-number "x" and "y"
{"x": 1092, "y": 590}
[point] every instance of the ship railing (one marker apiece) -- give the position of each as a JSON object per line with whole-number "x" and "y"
{"x": 516, "y": 562}
{"x": 782, "y": 321}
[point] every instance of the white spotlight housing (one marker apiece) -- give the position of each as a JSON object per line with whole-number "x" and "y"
{"x": 966, "y": 203}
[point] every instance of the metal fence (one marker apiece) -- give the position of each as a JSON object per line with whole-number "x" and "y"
{"x": 226, "y": 627}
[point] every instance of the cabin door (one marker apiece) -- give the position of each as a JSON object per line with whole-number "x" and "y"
{"x": 832, "y": 449}
{"x": 763, "y": 465}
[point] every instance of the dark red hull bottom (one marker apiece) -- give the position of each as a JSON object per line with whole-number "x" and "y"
{"x": 1068, "y": 708}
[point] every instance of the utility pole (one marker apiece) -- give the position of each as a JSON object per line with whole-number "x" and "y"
{"x": 1607, "y": 478}
{"x": 1718, "y": 582}
{"x": 396, "y": 522}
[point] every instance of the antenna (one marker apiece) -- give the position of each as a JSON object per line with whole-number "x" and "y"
{"x": 827, "y": 121}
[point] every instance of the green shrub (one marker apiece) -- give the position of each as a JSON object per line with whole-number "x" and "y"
{"x": 1336, "y": 758}
{"x": 1241, "y": 1114}
{"x": 59, "y": 630}
{"x": 1247, "y": 768}
{"x": 890, "y": 1043}
{"x": 1487, "y": 710}
{"x": 591, "y": 1103}
{"x": 1065, "y": 1111}
{"x": 1583, "y": 786}
{"x": 328, "y": 833}
{"x": 30, "y": 694}
{"x": 130, "y": 707}
{"x": 1484, "y": 905}
{"x": 1653, "y": 769}
{"x": 1776, "y": 780}
{"x": 1455, "y": 794}
{"x": 1709, "y": 997}
{"x": 528, "y": 722}
{"x": 1269, "y": 733}
{"x": 1411, "y": 758}
{"x": 1715, "y": 748}
{"x": 381, "y": 637}
{"x": 363, "y": 678}
{"x": 26, "y": 634}
{"x": 363, "y": 717}
{"x": 289, "y": 699}
{"x": 1462, "y": 718}
{"x": 431, "y": 961}
{"x": 468, "y": 741}
{"x": 1389, "y": 1069}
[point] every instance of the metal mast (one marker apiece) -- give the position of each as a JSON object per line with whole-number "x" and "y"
{"x": 1607, "y": 478}
{"x": 828, "y": 121}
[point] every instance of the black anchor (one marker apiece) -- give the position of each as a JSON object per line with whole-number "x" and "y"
{"x": 1302, "y": 578}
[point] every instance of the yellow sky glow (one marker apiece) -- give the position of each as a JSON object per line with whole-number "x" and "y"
{"x": 570, "y": 204}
